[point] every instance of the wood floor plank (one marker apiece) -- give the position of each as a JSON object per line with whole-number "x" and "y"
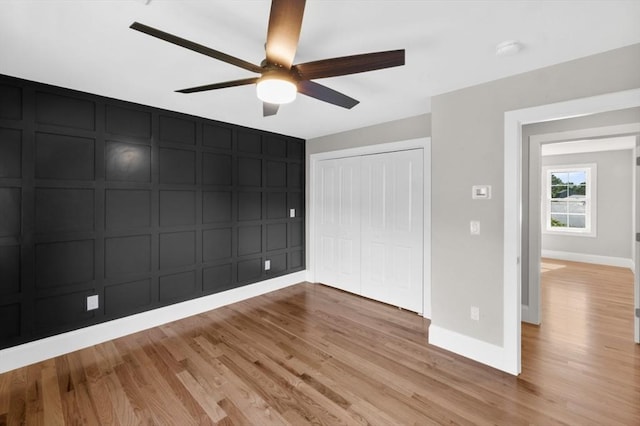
{"x": 287, "y": 392}
{"x": 256, "y": 410}
{"x": 161, "y": 358}
{"x": 234, "y": 414}
{"x": 125, "y": 412}
{"x": 311, "y": 354}
{"x": 199, "y": 393}
{"x": 34, "y": 413}
{"x": 5, "y": 394}
{"x": 102, "y": 402}
{"x": 17, "y": 399}
{"x": 78, "y": 405}
{"x": 51, "y": 400}
{"x": 137, "y": 399}
{"x": 164, "y": 404}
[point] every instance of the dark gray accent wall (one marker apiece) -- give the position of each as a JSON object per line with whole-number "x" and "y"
{"x": 141, "y": 206}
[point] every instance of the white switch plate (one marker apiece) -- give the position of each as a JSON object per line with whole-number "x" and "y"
{"x": 474, "y": 227}
{"x": 292, "y": 212}
{"x": 267, "y": 265}
{"x": 475, "y": 313}
{"x": 92, "y": 302}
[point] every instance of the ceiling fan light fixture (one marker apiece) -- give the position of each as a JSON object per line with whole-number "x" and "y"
{"x": 276, "y": 90}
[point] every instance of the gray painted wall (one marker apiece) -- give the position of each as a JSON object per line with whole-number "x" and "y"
{"x": 392, "y": 131}
{"x": 614, "y": 197}
{"x": 468, "y": 149}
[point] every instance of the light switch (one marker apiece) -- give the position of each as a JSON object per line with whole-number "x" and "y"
{"x": 267, "y": 265}
{"x": 292, "y": 212}
{"x": 474, "y": 227}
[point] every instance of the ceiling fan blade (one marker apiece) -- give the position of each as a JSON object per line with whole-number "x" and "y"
{"x": 323, "y": 93}
{"x": 283, "y": 34}
{"x": 350, "y": 64}
{"x": 223, "y": 85}
{"x": 269, "y": 109}
{"x": 195, "y": 47}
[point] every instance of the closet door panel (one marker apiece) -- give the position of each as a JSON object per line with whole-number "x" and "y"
{"x": 392, "y": 228}
{"x": 338, "y": 239}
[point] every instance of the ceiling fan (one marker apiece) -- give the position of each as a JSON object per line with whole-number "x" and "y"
{"x": 280, "y": 79}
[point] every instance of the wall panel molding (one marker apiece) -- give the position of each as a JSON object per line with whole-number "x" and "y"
{"x": 140, "y": 206}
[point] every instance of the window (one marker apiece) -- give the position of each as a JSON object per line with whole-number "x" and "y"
{"x": 570, "y": 199}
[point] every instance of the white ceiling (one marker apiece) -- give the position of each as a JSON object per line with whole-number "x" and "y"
{"x": 87, "y": 45}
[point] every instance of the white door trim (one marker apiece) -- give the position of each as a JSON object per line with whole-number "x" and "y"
{"x": 513, "y": 121}
{"x": 419, "y": 143}
{"x": 635, "y": 243}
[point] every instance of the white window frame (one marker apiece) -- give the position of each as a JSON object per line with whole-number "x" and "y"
{"x": 590, "y": 195}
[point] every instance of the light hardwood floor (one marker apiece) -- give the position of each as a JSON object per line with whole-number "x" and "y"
{"x": 310, "y": 354}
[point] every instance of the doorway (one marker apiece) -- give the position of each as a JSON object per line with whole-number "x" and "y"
{"x": 513, "y": 122}
{"x": 611, "y": 150}
{"x": 574, "y": 252}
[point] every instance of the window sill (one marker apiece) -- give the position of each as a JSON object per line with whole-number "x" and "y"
{"x": 570, "y": 233}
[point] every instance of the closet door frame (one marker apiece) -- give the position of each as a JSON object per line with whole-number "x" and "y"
{"x": 313, "y": 213}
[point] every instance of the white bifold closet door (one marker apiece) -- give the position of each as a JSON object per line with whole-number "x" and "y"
{"x": 370, "y": 229}
{"x": 338, "y": 231}
{"x": 391, "y": 228}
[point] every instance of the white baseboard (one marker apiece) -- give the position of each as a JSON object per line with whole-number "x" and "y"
{"x": 589, "y": 258}
{"x": 524, "y": 313}
{"x": 40, "y": 350}
{"x": 469, "y": 347}
{"x": 527, "y": 315}
{"x": 310, "y": 277}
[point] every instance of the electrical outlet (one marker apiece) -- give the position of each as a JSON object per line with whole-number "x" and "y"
{"x": 292, "y": 212}
{"x": 474, "y": 227}
{"x": 92, "y": 302}
{"x": 267, "y": 265}
{"x": 475, "y": 313}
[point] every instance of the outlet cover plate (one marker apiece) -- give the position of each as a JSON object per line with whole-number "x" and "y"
{"x": 93, "y": 302}
{"x": 474, "y": 227}
{"x": 475, "y": 313}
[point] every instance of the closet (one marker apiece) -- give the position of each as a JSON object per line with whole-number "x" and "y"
{"x": 369, "y": 230}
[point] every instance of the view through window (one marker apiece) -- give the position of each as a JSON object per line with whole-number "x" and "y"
{"x": 570, "y": 199}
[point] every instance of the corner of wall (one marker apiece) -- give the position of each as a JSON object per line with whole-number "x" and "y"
{"x": 469, "y": 347}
